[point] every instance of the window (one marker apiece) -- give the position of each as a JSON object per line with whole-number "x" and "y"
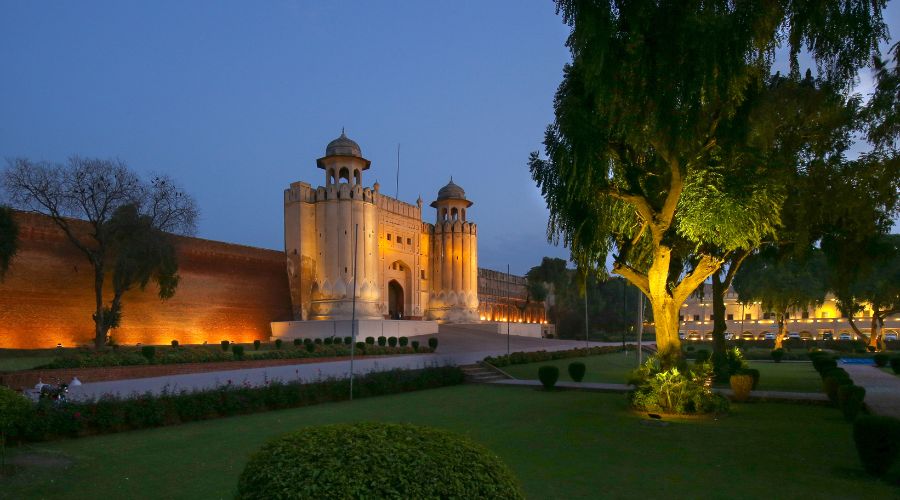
{"x": 696, "y": 317}
{"x": 710, "y": 317}
{"x": 787, "y": 315}
{"x": 805, "y": 315}
{"x": 409, "y": 241}
{"x": 681, "y": 317}
{"x": 748, "y": 316}
{"x": 767, "y": 315}
{"x": 731, "y": 317}
{"x": 389, "y": 236}
{"x": 422, "y": 273}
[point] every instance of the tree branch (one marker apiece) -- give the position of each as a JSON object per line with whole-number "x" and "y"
{"x": 698, "y": 275}
{"x": 631, "y": 274}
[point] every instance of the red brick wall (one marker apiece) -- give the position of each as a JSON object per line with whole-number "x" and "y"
{"x": 227, "y": 292}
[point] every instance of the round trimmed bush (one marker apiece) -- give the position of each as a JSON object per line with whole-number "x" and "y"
{"x": 881, "y": 359}
{"x": 777, "y": 355}
{"x": 375, "y": 460}
{"x": 361, "y": 347}
{"x": 370, "y": 340}
{"x": 432, "y": 343}
{"x": 225, "y": 345}
{"x": 404, "y": 341}
{"x": 348, "y": 340}
{"x": 415, "y": 345}
{"x": 850, "y": 400}
{"x": 832, "y": 383}
{"x": 877, "y": 441}
{"x": 382, "y": 340}
{"x": 307, "y": 341}
{"x": 297, "y": 342}
{"x": 310, "y": 347}
{"x": 392, "y": 341}
{"x": 174, "y": 343}
{"x": 256, "y": 344}
{"x": 329, "y": 340}
{"x": 317, "y": 341}
{"x": 548, "y": 376}
{"x": 278, "y": 343}
{"x": 238, "y": 351}
{"x": 577, "y": 370}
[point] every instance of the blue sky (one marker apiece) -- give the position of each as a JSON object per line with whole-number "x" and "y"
{"x": 237, "y": 99}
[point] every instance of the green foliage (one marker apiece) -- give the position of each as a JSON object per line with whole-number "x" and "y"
{"x": 577, "y": 370}
{"x": 777, "y": 355}
{"x": 850, "y": 400}
{"x": 881, "y": 359}
{"x": 432, "y": 343}
{"x": 548, "y": 375}
{"x": 174, "y": 343}
{"x": 877, "y": 441}
{"x": 328, "y": 340}
{"x": 15, "y": 412}
{"x": 257, "y": 344}
{"x": 370, "y": 340}
{"x": 415, "y": 345}
{"x": 307, "y": 341}
{"x": 149, "y": 352}
{"x": 392, "y": 341}
{"x": 782, "y": 282}
{"x": 382, "y": 340}
{"x": 753, "y": 372}
{"x": 348, "y": 340}
{"x": 278, "y": 343}
{"x": 404, "y": 341}
{"x": 832, "y": 381}
{"x": 675, "y": 391}
{"x": 317, "y": 341}
{"x": 225, "y": 344}
{"x": 109, "y": 414}
{"x": 310, "y": 347}
{"x": 895, "y": 365}
{"x": 361, "y": 347}
{"x": 299, "y": 342}
{"x": 335, "y": 461}
{"x": 238, "y": 351}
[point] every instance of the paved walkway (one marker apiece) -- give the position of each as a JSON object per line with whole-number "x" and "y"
{"x": 882, "y": 389}
{"x": 457, "y": 346}
{"x": 811, "y": 397}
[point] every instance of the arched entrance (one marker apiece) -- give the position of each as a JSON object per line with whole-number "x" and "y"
{"x": 395, "y": 300}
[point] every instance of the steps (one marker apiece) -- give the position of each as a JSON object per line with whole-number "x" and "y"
{"x": 478, "y": 374}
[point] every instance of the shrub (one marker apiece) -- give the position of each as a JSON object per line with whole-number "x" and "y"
{"x": 328, "y": 340}
{"x": 832, "y": 382}
{"x": 174, "y": 343}
{"x": 689, "y": 348}
{"x": 702, "y": 356}
{"x": 392, "y": 341}
{"x": 895, "y": 365}
{"x": 317, "y": 341}
{"x": 256, "y": 344}
{"x": 548, "y": 376}
{"x": 361, "y": 346}
{"x": 382, "y": 340}
{"x": 777, "y": 355}
{"x": 432, "y": 343}
{"x": 404, "y": 341}
{"x": 225, "y": 345}
{"x": 278, "y": 343}
{"x": 850, "y": 400}
{"x": 741, "y": 385}
{"x": 823, "y": 364}
{"x": 348, "y": 340}
{"x": 415, "y": 345}
{"x": 298, "y": 342}
{"x": 149, "y": 352}
{"x": 339, "y": 457}
{"x": 577, "y": 370}
{"x": 15, "y": 413}
{"x": 307, "y": 341}
{"x": 370, "y": 340}
{"x": 674, "y": 391}
{"x": 238, "y": 351}
{"x": 881, "y": 359}
{"x": 311, "y": 347}
{"x": 877, "y": 441}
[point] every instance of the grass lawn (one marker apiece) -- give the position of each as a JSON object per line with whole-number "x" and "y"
{"x": 8, "y": 364}
{"x": 614, "y": 369}
{"x": 563, "y": 444}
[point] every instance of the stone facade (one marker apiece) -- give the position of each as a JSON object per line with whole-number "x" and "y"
{"x": 503, "y": 296}
{"x": 405, "y": 268}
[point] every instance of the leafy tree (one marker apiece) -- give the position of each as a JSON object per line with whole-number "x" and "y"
{"x": 9, "y": 237}
{"x": 653, "y": 151}
{"x": 126, "y": 219}
{"x": 782, "y": 282}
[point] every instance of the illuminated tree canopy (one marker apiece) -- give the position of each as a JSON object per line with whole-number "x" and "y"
{"x": 661, "y": 152}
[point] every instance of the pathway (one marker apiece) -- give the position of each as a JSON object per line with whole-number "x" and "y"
{"x": 458, "y": 346}
{"x": 882, "y": 389}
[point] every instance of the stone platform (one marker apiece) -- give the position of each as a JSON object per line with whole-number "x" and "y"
{"x": 290, "y": 330}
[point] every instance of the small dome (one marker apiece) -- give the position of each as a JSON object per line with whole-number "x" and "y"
{"x": 343, "y": 146}
{"x": 451, "y": 192}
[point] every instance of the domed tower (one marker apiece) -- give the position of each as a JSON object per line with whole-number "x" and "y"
{"x": 342, "y": 206}
{"x": 454, "y": 259}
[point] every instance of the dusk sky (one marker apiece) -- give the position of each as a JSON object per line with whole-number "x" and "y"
{"x": 236, "y": 100}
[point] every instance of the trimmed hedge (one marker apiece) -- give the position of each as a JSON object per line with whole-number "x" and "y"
{"x": 520, "y": 358}
{"x": 895, "y": 365}
{"x": 881, "y": 359}
{"x": 850, "y": 400}
{"x": 375, "y": 460}
{"x": 777, "y": 355}
{"x": 877, "y": 441}
{"x": 548, "y": 375}
{"x": 577, "y": 370}
{"x": 45, "y": 420}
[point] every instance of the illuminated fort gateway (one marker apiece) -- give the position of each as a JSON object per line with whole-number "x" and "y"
{"x": 406, "y": 268}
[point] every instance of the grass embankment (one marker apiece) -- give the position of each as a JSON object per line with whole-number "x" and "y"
{"x": 614, "y": 369}
{"x": 555, "y": 442}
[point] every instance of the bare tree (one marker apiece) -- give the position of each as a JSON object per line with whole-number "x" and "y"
{"x": 126, "y": 217}
{"x": 9, "y": 238}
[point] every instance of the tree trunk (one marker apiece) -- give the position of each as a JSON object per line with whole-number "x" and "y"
{"x": 782, "y": 331}
{"x": 665, "y": 316}
{"x": 875, "y": 339}
{"x": 718, "y": 306}
{"x": 99, "y": 319}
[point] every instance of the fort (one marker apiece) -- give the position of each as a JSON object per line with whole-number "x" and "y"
{"x": 407, "y": 269}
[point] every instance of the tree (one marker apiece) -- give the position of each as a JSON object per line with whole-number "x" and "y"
{"x": 652, "y": 151}
{"x": 9, "y": 237}
{"x": 126, "y": 219}
{"x": 782, "y": 282}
